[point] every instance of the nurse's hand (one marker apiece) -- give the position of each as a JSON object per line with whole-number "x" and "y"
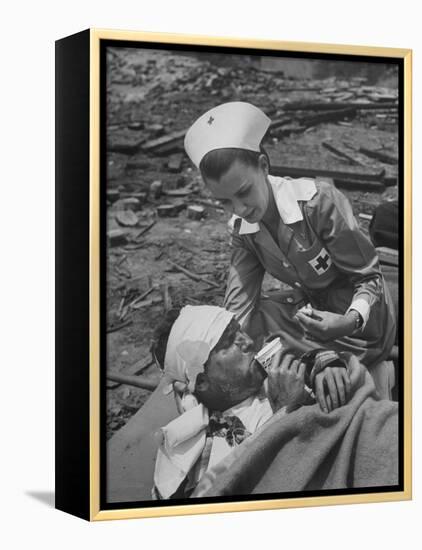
{"x": 325, "y": 326}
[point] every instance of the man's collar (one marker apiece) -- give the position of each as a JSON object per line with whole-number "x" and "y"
{"x": 287, "y": 193}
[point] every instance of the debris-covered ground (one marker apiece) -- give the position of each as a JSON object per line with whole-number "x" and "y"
{"x": 167, "y": 238}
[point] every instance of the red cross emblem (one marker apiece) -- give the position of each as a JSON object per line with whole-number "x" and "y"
{"x": 210, "y": 120}
{"x": 322, "y": 262}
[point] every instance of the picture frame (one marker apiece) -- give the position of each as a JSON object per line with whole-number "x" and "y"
{"x": 88, "y": 482}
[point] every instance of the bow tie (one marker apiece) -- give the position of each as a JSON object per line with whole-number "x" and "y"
{"x": 229, "y": 427}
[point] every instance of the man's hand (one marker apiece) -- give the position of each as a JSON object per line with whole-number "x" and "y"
{"x": 286, "y": 386}
{"x": 325, "y": 325}
{"x": 332, "y": 388}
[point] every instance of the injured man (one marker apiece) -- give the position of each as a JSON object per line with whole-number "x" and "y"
{"x": 300, "y": 423}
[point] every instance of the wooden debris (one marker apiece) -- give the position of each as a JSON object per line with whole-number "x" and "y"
{"x": 351, "y": 184}
{"x": 193, "y": 276}
{"x": 196, "y": 212}
{"x": 127, "y": 217}
{"x": 115, "y": 328}
{"x": 144, "y": 382}
{"x": 141, "y": 196}
{"x": 117, "y": 237}
{"x": 388, "y": 256}
{"x": 156, "y": 189}
{"x": 170, "y": 210}
{"x": 148, "y": 303}
{"x": 299, "y": 172}
{"x": 181, "y": 192}
{"x": 165, "y": 143}
{"x": 134, "y": 125}
{"x": 390, "y": 181}
{"x": 379, "y": 155}
{"x": 125, "y": 143}
{"x": 141, "y": 297}
{"x": 166, "y": 297}
{"x": 175, "y": 162}
{"x": 130, "y": 203}
{"x": 340, "y": 153}
{"x": 330, "y": 116}
{"x": 143, "y": 231}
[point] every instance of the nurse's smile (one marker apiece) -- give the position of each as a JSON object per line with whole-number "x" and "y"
{"x": 242, "y": 190}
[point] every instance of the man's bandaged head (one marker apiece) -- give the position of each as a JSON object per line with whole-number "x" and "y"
{"x": 193, "y": 336}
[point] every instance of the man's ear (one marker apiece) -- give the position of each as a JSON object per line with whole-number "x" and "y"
{"x": 263, "y": 164}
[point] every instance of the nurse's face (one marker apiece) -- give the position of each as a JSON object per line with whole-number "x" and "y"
{"x": 243, "y": 190}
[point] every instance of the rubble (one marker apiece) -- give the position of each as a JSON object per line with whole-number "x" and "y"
{"x": 196, "y": 212}
{"x": 127, "y": 218}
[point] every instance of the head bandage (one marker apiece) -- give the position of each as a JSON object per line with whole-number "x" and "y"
{"x": 237, "y": 125}
{"x": 193, "y": 336}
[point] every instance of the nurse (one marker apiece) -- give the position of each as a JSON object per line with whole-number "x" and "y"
{"x": 303, "y": 232}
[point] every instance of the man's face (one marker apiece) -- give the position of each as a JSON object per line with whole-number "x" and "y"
{"x": 242, "y": 190}
{"x": 231, "y": 372}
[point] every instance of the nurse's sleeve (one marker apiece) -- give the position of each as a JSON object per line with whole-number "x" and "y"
{"x": 244, "y": 281}
{"x": 353, "y": 254}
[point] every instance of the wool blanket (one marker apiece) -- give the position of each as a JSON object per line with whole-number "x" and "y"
{"x": 356, "y": 445}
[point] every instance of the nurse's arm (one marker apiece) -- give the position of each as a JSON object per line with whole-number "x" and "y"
{"x": 244, "y": 281}
{"x": 351, "y": 251}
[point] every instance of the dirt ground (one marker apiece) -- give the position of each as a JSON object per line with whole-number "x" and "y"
{"x": 153, "y": 94}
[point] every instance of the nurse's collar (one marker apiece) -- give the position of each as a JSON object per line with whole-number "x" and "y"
{"x": 287, "y": 192}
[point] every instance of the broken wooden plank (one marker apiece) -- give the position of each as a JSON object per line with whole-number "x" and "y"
{"x": 144, "y": 382}
{"x": 388, "y": 256}
{"x": 115, "y": 328}
{"x": 175, "y": 162}
{"x": 181, "y": 192}
{"x": 193, "y": 276}
{"x": 143, "y": 231}
{"x": 174, "y": 138}
{"x": 195, "y": 212}
{"x": 127, "y": 217}
{"x": 141, "y": 297}
{"x": 379, "y": 155}
{"x": 170, "y": 210}
{"x": 126, "y": 144}
{"x": 117, "y": 237}
{"x": 300, "y": 172}
{"x": 148, "y": 303}
{"x": 358, "y": 185}
{"x": 156, "y": 189}
{"x": 341, "y": 153}
{"x": 166, "y": 297}
{"x": 328, "y": 116}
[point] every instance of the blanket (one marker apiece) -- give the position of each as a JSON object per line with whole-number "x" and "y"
{"x": 353, "y": 446}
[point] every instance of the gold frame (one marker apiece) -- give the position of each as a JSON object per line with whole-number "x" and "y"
{"x": 96, "y": 514}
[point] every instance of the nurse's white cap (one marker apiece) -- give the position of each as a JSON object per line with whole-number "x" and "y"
{"x": 237, "y": 125}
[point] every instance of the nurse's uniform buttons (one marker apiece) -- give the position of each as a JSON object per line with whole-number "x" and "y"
{"x": 286, "y": 264}
{"x": 290, "y": 300}
{"x": 298, "y": 285}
